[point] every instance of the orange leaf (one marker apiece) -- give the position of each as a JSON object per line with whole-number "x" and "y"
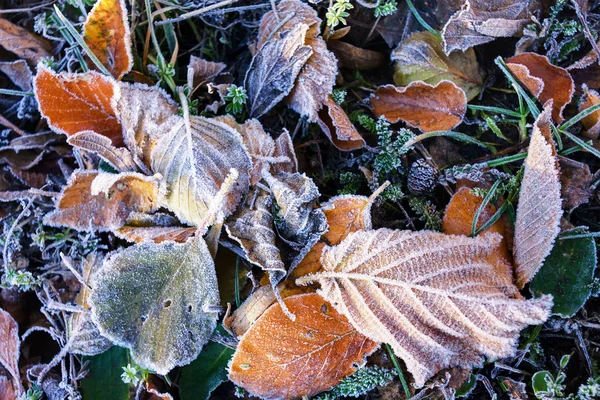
{"x": 420, "y": 105}
{"x": 106, "y": 32}
{"x": 80, "y": 208}
{"x": 591, "y": 123}
{"x": 337, "y": 126}
{"x": 78, "y": 102}
{"x": 544, "y": 80}
{"x": 281, "y": 359}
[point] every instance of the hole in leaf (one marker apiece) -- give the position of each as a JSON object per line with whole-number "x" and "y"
{"x": 190, "y": 308}
{"x": 167, "y": 303}
{"x": 324, "y": 308}
{"x": 144, "y": 318}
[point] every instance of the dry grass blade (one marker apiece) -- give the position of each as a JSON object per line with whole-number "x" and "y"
{"x": 540, "y": 205}
{"x": 433, "y": 297}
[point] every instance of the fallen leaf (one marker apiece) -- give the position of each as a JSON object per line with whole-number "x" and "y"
{"x": 205, "y": 373}
{"x": 575, "y": 183}
{"x": 103, "y": 380}
{"x": 205, "y": 169}
{"x": 79, "y": 209}
{"x": 10, "y": 350}
{"x": 544, "y": 80}
{"x": 586, "y": 71}
{"x": 431, "y": 296}
{"x": 420, "y": 58}
{"x": 540, "y": 207}
{"x": 284, "y": 147}
{"x": 7, "y": 392}
{"x": 296, "y": 13}
{"x": 155, "y": 299}
{"x": 23, "y": 43}
{"x": 303, "y": 358}
{"x": 337, "y": 126}
{"x": 200, "y": 71}
{"x": 481, "y": 21}
{"x": 157, "y": 234}
{"x": 19, "y": 73}
{"x": 591, "y": 123}
{"x": 420, "y": 105}
{"x": 72, "y": 103}
{"x": 352, "y": 57}
{"x": 273, "y": 70}
{"x": 119, "y": 157}
{"x": 106, "y": 33}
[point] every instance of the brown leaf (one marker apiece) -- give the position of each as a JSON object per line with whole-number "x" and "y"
{"x": 10, "y": 349}
{"x": 118, "y": 157}
{"x": 431, "y": 296}
{"x": 544, "y": 80}
{"x": 420, "y": 58}
{"x": 274, "y": 68}
{"x": 539, "y": 209}
{"x": 420, "y": 105}
{"x": 158, "y": 234}
{"x": 302, "y": 358}
{"x": 72, "y": 103}
{"x": 591, "y": 123}
{"x": 353, "y": 57}
{"x": 82, "y": 208}
{"x": 337, "y": 126}
{"x": 586, "y": 71}
{"x": 482, "y": 21}
{"x": 200, "y": 71}
{"x": 7, "y": 392}
{"x": 575, "y": 183}
{"x": 284, "y": 147}
{"x": 23, "y": 43}
{"x": 106, "y": 33}
{"x": 19, "y": 73}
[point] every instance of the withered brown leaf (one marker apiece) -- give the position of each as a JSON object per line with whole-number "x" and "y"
{"x": 23, "y": 43}
{"x": 301, "y": 358}
{"x": 352, "y": 57}
{"x": 274, "y": 68}
{"x": 82, "y": 208}
{"x": 420, "y": 105}
{"x": 118, "y": 157}
{"x": 591, "y": 123}
{"x": 337, "y": 126}
{"x": 433, "y": 297}
{"x": 544, "y": 80}
{"x": 420, "y": 58}
{"x": 284, "y": 147}
{"x": 540, "y": 207}
{"x": 10, "y": 349}
{"x": 200, "y": 71}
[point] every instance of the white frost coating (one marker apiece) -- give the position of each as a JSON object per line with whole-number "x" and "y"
{"x": 150, "y": 298}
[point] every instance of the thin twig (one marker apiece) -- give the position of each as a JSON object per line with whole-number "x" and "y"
{"x": 194, "y": 13}
{"x": 8, "y": 124}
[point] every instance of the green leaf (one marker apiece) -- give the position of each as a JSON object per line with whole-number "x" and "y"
{"x": 467, "y": 387}
{"x": 203, "y": 375}
{"x": 567, "y": 274}
{"x": 104, "y": 379}
{"x": 538, "y": 382}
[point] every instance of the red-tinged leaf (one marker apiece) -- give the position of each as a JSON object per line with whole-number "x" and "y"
{"x": 337, "y": 126}
{"x": 106, "y": 33}
{"x": 9, "y": 350}
{"x": 591, "y": 123}
{"x": 73, "y": 103}
{"x": 420, "y": 105}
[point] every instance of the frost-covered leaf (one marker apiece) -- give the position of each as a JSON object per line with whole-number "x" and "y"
{"x": 19, "y": 73}
{"x": 284, "y": 147}
{"x": 200, "y": 71}
{"x": 107, "y": 209}
{"x": 482, "y": 21}
{"x": 10, "y": 348}
{"x": 433, "y": 297}
{"x": 420, "y": 105}
{"x": 155, "y": 299}
{"x": 205, "y": 169}
{"x": 274, "y": 68}
{"x": 355, "y": 58}
{"x": 72, "y": 103}
{"x": 540, "y": 206}
{"x": 23, "y": 43}
{"x": 544, "y": 80}
{"x": 118, "y": 157}
{"x": 338, "y": 128}
{"x": 346, "y": 214}
{"x": 281, "y": 359}
{"x": 567, "y": 273}
{"x": 106, "y": 33}
{"x": 420, "y": 58}
{"x": 157, "y": 234}
{"x": 83, "y": 335}
{"x": 591, "y": 123}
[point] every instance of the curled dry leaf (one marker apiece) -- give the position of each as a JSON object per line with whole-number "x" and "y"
{"x": 482, "y": 21}
{"x": 420, "y": 58}
{"x": 10, "y": 349}
{"x": 200, "y": 71}
{"x": 540, "y": 206}
{"x": 317, "y": 77}
{"x": 274, "y": 68}
{"x": 284, "y": 147}
{"x": 155, "y": 299}
{"x": 118, "y": 157}
{"x": 72, "y": 103}
{"x": 433, "y": 297}
{"x": 19, "y": 73}
{"x": 108, "y": 209}
{"x": 591, "y": 123}
{"x": 157, "y": 234}
{"x": 23, "y": 43}
{"x": 586, "y": 70}
{"x": 575, "y": 183}
{"x": 281, "y": 359}
{"x": 205, "y": 169}
{"x": 544, "y": 80}
{"x": 420, "y": 105}
{"x": 337, "y": 126}
{"x": 106, "y": 33}
{"x": 353, "y": 57}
